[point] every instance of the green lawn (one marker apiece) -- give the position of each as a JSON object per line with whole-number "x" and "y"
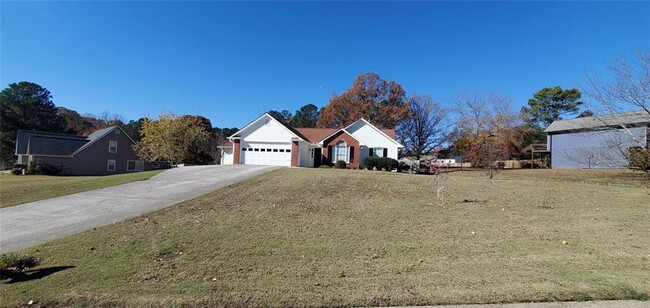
{"x": 16, "y": 189}
{"x": 322, "y": 237}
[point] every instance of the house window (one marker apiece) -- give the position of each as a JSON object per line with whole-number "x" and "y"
{"x": 23, "y": 159}
{"x": 111, "y": 165}
{"x": 134, "y": 165}
{"x": 112, "y": 146}
{"x": 340, "y": 152}
{"x": 378, "y": 152}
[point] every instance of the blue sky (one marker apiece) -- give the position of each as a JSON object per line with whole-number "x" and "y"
{"x": 231, "y": 61}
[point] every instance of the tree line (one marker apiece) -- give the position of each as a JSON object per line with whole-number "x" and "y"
{"x": 29, "y": 106}
{"x": 478, "y": 126}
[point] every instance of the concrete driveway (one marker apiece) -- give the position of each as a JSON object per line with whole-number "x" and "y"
{"x": 38, "y": 222}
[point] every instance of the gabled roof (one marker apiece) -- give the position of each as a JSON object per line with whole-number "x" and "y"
{"x": 317, "y": 135}
{"x": 97, "y": 135}
{"x": 52, "y": 144}
{"x": 389, "y": 133}
{"x": 628, "y": 119}
{"x": 292, "y": 130}
{"x": 336, "y": 131}
{"x": 100, "y": 132}
{"x": 321, "y": 134}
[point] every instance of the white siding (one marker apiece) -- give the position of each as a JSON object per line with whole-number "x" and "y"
{"x": 393, "y": 152}
{"x": 372, "y": 138}
{"x": 226, "y": 156}
{"x": 268, "y": 134}
{"x": 274, "y": 131}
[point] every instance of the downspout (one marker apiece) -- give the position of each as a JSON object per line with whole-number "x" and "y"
{"x": 29, "y": 157}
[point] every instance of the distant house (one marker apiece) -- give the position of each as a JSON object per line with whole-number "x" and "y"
{"x": 597, "y": 142}
{"x": 106, "y": 151}
{"x": 267, "y": 141}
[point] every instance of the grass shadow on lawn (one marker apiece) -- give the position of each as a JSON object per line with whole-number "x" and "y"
{"x": 34, "y": 274}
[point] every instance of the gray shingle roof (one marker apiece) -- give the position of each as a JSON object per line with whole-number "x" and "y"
{"x": 41, "y": 143}
{"x": 634, "y": 118}
{"x": 100, "y": 133}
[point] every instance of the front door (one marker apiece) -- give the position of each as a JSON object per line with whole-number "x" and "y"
{"x": 318, "y": 156}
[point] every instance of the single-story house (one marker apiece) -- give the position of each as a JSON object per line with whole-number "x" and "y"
{"x": 267, "y": 141}
{"x": 106, "y": 151}
{"x": 597, "y": 141}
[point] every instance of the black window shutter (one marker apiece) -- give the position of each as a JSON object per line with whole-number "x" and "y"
{"x": 329, "y": 153}
{"x": 385, "y": 152}
{"x": 369, "y": 151}
{"x": 351, "y": 154}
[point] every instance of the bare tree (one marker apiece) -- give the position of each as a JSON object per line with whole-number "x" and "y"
{"x": 441, "y": 187}
{"x": 626, "y": 94}
{"x": 425, "y": 128}
{"x": 628, "y": 89}
{"x": 483, "y": 128}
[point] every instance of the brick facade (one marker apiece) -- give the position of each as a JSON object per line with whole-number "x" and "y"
{"x": 236, "y": 151}
{"x": 294, "y": 153}
{"x": 354, "y": 150}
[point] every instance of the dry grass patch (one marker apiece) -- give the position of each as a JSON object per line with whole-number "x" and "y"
{"x": 314, "y": 237}
{"x": 19, "y": 189}
{"x": 619, "y": 177}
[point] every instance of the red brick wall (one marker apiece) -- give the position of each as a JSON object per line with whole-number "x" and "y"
{"x": 236, "y": 152}
{"x": 351, "y": 142}
{"x": 294, "y": 153}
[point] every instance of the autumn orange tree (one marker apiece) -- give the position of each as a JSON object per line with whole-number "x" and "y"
{"x": 382, "y": 102}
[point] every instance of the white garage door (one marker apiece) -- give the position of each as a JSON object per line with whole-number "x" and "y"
{"x": 266, "y": 154}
